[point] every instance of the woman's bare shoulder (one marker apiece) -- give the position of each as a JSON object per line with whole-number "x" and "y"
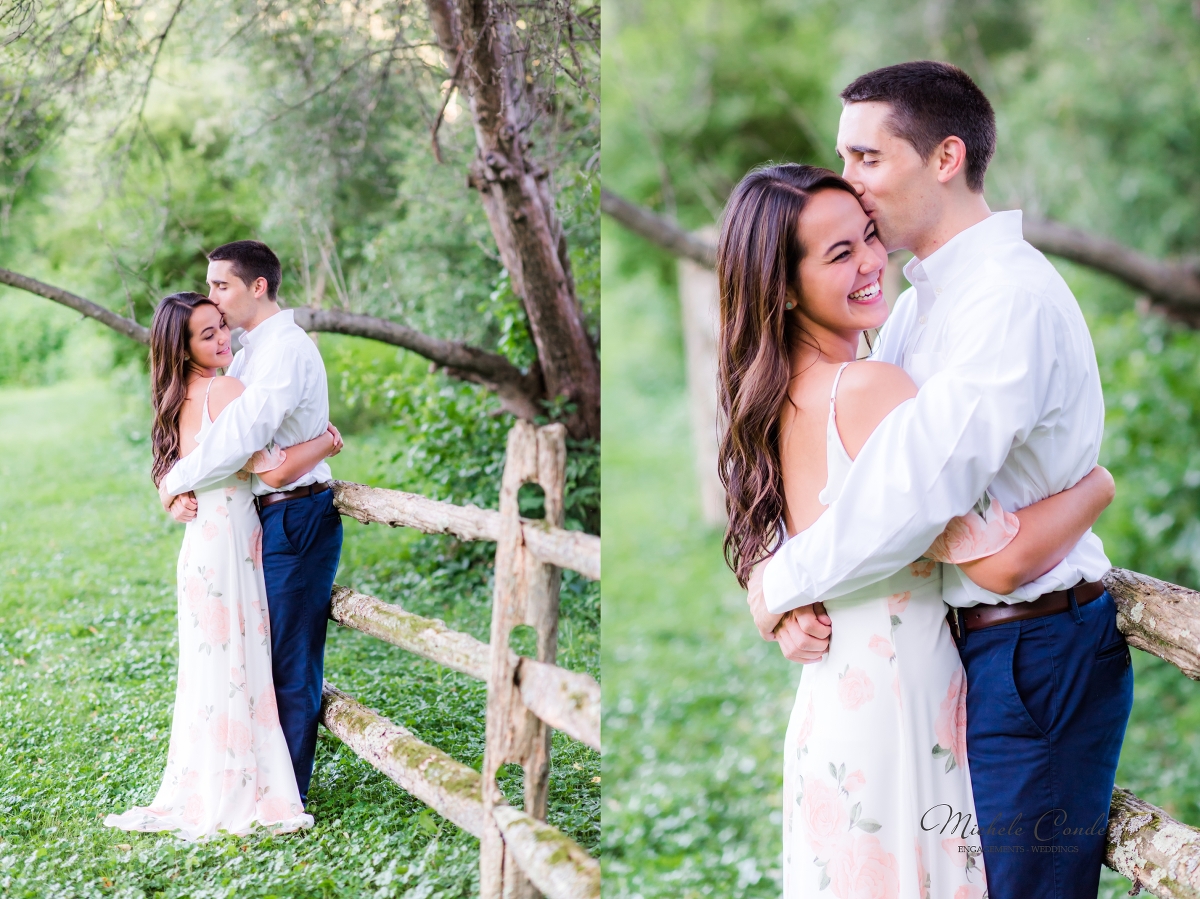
{"x": 223, "y": 392}
{"x": 867, "y": 392}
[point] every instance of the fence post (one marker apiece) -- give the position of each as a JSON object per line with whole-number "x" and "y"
{"x": 526, "y": 592}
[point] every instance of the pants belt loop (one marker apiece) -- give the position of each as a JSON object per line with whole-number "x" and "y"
{"x": 1074, "y": 606}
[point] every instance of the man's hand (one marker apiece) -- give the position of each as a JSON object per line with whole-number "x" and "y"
{"x": 803, "y": 634}
{"x": 183, "y": 507}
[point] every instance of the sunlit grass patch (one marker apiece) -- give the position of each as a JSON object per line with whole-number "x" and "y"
{"x": 87, "y": 668}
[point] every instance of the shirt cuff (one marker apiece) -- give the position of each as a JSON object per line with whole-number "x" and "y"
{"x": 781, "y": 590}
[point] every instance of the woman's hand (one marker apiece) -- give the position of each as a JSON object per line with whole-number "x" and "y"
{"x": 803, "y": 634}
{"x": 337, "y": 440}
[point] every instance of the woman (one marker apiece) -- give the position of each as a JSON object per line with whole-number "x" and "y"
{"x": 877, "y": 792}
{"x": 228, "y": 766}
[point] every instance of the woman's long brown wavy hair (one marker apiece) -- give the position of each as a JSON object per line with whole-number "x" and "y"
{"x": 169, "y": 369}
{"x": 758, "y": 260}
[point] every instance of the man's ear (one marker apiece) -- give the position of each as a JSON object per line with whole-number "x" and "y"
{"x": 950, "y": 158}
{"x": 259, "y": 287}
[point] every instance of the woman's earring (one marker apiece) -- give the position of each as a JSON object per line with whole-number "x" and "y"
{"x": 789, "y": 305}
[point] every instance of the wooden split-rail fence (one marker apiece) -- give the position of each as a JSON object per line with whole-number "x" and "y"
{"x": 521, "y": 856}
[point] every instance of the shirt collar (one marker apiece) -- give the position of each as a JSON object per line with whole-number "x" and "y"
{"x": 948, "y": 261}
{"x": 272, "y": 325}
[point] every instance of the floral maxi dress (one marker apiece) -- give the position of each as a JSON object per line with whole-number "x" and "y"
{"x": 228, "y": 766}
{"x": 877, "y": 790}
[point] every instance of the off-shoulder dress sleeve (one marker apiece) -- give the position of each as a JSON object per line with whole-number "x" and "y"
{"x": 267, "y": 459}
{"x": 983, "y": 531}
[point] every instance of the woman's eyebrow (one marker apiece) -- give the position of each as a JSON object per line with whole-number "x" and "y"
{"x": 833, "y": 247}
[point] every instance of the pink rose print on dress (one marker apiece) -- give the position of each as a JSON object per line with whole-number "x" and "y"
{"x": 969, "y": 891}
{"x": 854, "y": 689}
{"x": 882, "y": 647}
{"x": 221, "y": 510}
{"x": 214, "y": 621}
{"x": 823, "y": 817}
{"x": 854, "y": 781}
{"x": 970, "y": 537}
{"x": 272, "y": 811}
{"x": 265, "y": 711}
{"x": 923, "y": 880}
{"x": 806, "y": 728}
{"x": 950, "y": 727}
{"x": 956, "y": 848}
{"x": 255, "y": 557}
{"x": 922, "y": 567}
{"x": 861, "y": 868}
{"x": 195, "y": 589}
{"x": 194, "y": 810}
{"x": 229, "y": 735}
{"x": 210, "y": 530}
{"x": 898, "y": 602}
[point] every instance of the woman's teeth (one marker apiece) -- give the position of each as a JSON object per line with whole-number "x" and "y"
{"x": 866, "y": 293}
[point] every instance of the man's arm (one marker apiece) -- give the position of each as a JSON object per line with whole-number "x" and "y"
{"x": 246, "y": 425}
{"x": 930, "y": 459}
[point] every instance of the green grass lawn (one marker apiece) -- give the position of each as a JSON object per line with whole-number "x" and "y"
{"x": 87, "y": 668}
{"x": 695, "y": 704}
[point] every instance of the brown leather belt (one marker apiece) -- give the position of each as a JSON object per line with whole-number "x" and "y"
{"x": 978, "y": 617}
{"x": 268, "y": 499}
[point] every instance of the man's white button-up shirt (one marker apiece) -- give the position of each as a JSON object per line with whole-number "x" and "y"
{"x": 1009, "y": 400}
{"x": 286, "y": 401}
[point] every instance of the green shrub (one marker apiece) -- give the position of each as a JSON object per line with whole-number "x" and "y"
{"x": 32, "y": 340}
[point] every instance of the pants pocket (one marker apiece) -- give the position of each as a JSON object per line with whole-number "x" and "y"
{"x": 1112, "y": 651}
{"x": 1033, "y": 672}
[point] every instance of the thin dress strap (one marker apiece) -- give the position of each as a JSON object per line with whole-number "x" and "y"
{"x": 210, "y": 384}
{"x": 837, "y": 460}
{"x": 833, "y": 392}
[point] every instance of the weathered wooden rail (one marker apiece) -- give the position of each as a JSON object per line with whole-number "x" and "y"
{"x": 1160, "y": 855}
{"x": 521, "y": 856}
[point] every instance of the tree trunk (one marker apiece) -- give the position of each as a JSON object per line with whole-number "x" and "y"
{"x": 517, "y": 200}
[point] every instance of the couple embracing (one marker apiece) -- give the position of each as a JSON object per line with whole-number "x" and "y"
{"x": 916, "y": 527}
{"x": 241, "y": 459}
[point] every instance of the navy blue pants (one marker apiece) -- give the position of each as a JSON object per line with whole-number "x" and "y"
{"x": 1047, "y": 704}
{"x": 302, "y": 541}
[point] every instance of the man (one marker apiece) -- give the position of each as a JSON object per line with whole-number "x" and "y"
{"x": 286, "y": 401}
{"x": 1010, "y": 400}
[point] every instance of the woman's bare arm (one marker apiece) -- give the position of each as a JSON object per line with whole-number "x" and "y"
{"x": 302, "y": 458}
{"x": 1049, "y": 530}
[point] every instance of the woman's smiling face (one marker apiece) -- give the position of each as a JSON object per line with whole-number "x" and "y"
{"x": 208, "y": 338}
{"x": 842, "y": 269}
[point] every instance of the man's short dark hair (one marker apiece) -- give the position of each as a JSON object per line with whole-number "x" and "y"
{"x": 930, "y": 102}
{"x": 252, "y": 259}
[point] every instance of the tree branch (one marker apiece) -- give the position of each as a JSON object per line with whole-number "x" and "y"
{"x": 122, "y": 325}
{"x": 657, "y": 229}
{"x": 1173, "y": 287}
{"x": 518, "y": 392}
